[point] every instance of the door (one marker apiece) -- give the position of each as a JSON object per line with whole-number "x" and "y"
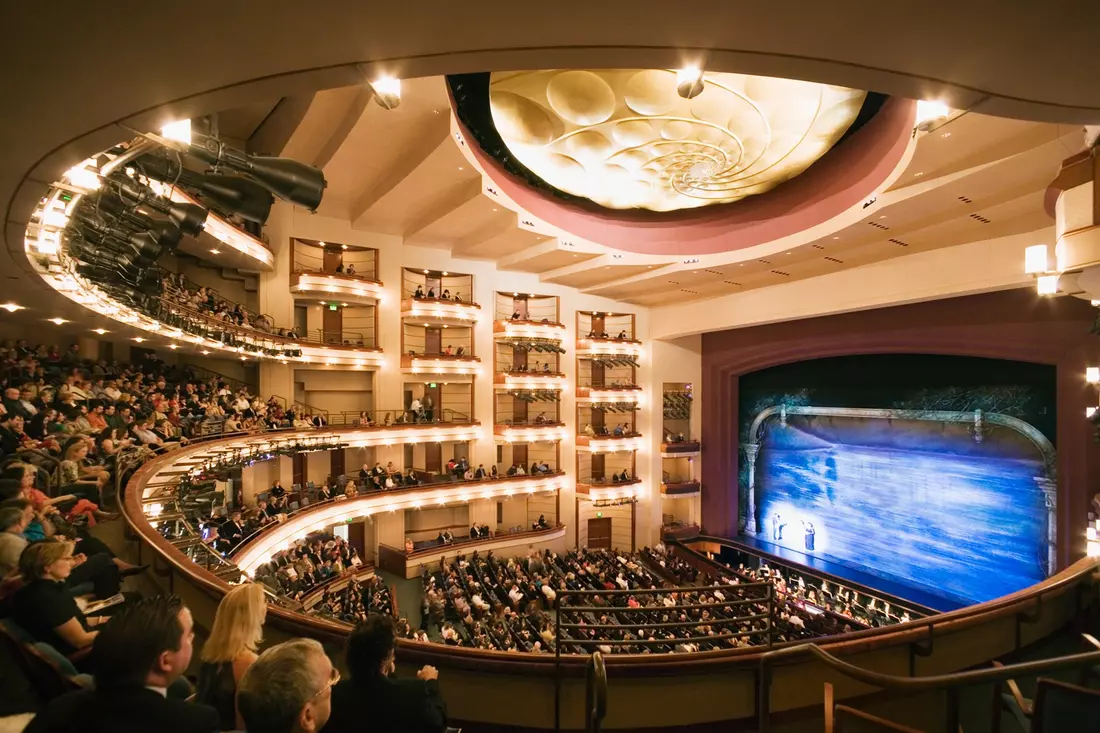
{"x": 598, "y": 467}
{"x": 333, "y": 258}
{"x": 598, "y": 325}
{"x": 332, "y": 321}
{"x": 599, "y": 533}
{"x": 433, "y": 457}
{"x": 433, "y": 341}
{"x": 299, "y": 469}
{"x": 337, "y": 457}
{"x": 435, "y": 414}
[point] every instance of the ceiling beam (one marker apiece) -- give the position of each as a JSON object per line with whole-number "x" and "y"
{"x": 458, "y": 196}
{"x": 528, "y": 253}
{"x": 496, "y": 226}
{"x": 356, "y": 104}
{"x": 275, "y": 131}
{"x": 434, "y": 132}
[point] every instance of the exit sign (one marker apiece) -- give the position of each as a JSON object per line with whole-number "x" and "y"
{"x": 599, "y": 515}
{"x": 332, "y": 307}
{"x": 431, "y": 385}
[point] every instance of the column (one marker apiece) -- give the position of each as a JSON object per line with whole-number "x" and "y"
{"x": 1050, "y": 498}
{"x": 751, "y": 449}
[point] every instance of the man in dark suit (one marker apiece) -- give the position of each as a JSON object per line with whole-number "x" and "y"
{"x": 233, "y": 529}
{"x": 137, "y": 656}
{"x": 373, "y": 699}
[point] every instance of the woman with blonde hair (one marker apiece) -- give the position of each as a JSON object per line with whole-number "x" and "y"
{"x": 231, "y": 650}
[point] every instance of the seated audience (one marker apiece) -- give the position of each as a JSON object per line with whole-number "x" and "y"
{"x": 43, "y": 605}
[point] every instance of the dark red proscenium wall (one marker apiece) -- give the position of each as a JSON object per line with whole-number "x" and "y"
{"x": 1014, "y": 324}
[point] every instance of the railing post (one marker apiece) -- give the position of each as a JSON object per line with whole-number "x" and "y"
{"x": 771, "y": 612}
{"x": 557, "y": 664}
{"x": 951, "y": 724}
{"x": 763, "y": 695}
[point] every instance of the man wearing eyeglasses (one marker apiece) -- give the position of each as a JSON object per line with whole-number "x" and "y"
{"x": 288, "y": 689}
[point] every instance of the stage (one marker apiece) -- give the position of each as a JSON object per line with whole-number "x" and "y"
{"x": 843, "y": 572}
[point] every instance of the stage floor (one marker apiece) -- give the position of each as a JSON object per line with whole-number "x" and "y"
{"x": 869, "y": 580}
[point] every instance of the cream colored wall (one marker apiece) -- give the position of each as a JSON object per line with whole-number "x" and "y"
{"x": 487, "y": 279}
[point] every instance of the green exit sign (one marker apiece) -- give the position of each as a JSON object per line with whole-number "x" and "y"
{"x": 332, "y": 307}
{"x": 599, "y": 515}
{"x": 431, "y": 385}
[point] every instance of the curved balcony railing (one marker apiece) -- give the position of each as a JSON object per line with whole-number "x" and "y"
{"x": 335, "y": 286}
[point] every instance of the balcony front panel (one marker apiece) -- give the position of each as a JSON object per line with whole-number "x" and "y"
{"x": 609, "y": 491}
{"x": 440, "y": 312}
{"x": 680, "y": 450}
{"x": 681, "y": 488}
{"x": 609, "y": 395}
{"x": 505, "y": 381}
{"x": 534, "y": 330}
{"x": 318, "y": 287}
{"x": 544, "y": 433}
{"x": 609, "y": 443}
{"x": 589, "y": 347}
{"x": 440, "y": 364}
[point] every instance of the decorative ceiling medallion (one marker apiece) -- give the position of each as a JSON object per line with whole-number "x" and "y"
{"x": 625, "y": 139}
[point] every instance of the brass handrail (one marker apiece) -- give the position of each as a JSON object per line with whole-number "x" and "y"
{"x": 595, "y": 693}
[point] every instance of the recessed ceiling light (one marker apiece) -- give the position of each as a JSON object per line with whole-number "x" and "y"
{"x": 425, "y": 272}
{"x": 244, "y": 358}
{"x": 461, "y": 168}
{"x": 946, "y": 134}
{"x": 215, "y": 251}
{"x": 343, "y": 246}
{"x": 918, "y": 174}
{"x": 139, "y": 339}
{"x": 173, "y": 346}
{"x": 836, "y": 237}
{"x": 320, "y": 244}
{"x": 444, "y": 273}
{"x": 100, "y": 331}
{"x": 345, "y": 305}
{"x": 205, "y": 353}
{"x": 58, "y": 321}
{"x": 11, "y": 307}
{"x": 883, "y": 216}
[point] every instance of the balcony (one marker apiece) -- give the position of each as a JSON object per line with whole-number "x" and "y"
{"x": 681, "y": 488}
{"x": 436, "y": 311}
{"x": 546, "y": 432}
{"x": 594, "y": 490}
{"x": 441, "y": 364}
{"x": 619, "y": 396}
{"x": 519, "y": 330}
{"x": 680, "y": 449}
{"x": 505, "y": 381}
{"x": 608, "y": 347}
{"x": 325, "y": 287}
{"x": 609, "y": 443}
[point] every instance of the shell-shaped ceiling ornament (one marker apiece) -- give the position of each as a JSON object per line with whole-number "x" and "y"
{"x": 625, "y": 139}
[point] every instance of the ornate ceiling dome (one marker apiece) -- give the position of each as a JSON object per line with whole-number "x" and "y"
{"x": 626, "y": 140}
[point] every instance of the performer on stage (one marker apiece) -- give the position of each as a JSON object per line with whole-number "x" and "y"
{"x": 808, "y": 527}
{"x": 777, "y": 527}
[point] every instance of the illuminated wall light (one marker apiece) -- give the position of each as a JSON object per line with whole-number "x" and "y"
{"x": 1090, "y": 411}
{"x": 1037, "y": 259}
{"x": 58, "y": 321}
{"x": 1047, "y": 284}
{"x": 11, "y": 307}
{"x": 689, "y": 81}
{"x": 387, "y": 92}
{"x": 1092, "y": 375}
{"x": 100, "y": 331}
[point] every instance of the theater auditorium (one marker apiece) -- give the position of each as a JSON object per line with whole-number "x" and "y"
{"x": 730, "y": 367}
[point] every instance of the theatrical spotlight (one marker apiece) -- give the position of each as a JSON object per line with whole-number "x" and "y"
{"x": 143, "y": 247}
{"x": 229, "y": 194}
{"x": 164, "y": 233}
{"x": 190, "y": 218}
{"x": 288, "y": 179}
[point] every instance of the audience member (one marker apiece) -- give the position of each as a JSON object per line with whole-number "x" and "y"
{"x": 230, "y": 650}
{"x": 374, "y": 695}
{"x": 288, "y": 689}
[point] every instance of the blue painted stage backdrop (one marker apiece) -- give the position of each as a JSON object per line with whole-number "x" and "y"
{"x": 922, "y": 504}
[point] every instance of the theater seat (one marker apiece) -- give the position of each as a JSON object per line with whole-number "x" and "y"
{"x": 33, "y": 673}
{"x": 1057, "y": 706}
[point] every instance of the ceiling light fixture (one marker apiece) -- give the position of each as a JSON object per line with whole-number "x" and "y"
{"x": 689, "y": 81}
{"x": 11, "y": 307}
{"x": 58, "y": 321}
{"x": 180, "y": 131}
{"x": 100, "y": 331}
{"x": 343, "y": 246}
{"x": 215, "y": 251}
{"x": 387, "y": 91}
{"x": 139, "y": 339}
{"x": 929, "y": 112}
{"x": 205, "y": 353}
{"x": 1047, "y": 284}
{"x": 173, "y": 346}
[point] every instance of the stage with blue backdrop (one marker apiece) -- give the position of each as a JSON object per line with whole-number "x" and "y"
{"x": 927, "y": 477}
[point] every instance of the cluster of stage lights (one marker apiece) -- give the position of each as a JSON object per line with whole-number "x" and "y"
{"x": 98, "y": 231}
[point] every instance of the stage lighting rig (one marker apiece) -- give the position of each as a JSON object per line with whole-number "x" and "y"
{"x": 190, "y": 218}
{"x": 229, "y": 194}
{"x": 166, "y": 233}
{"x": 288, "y": 179}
